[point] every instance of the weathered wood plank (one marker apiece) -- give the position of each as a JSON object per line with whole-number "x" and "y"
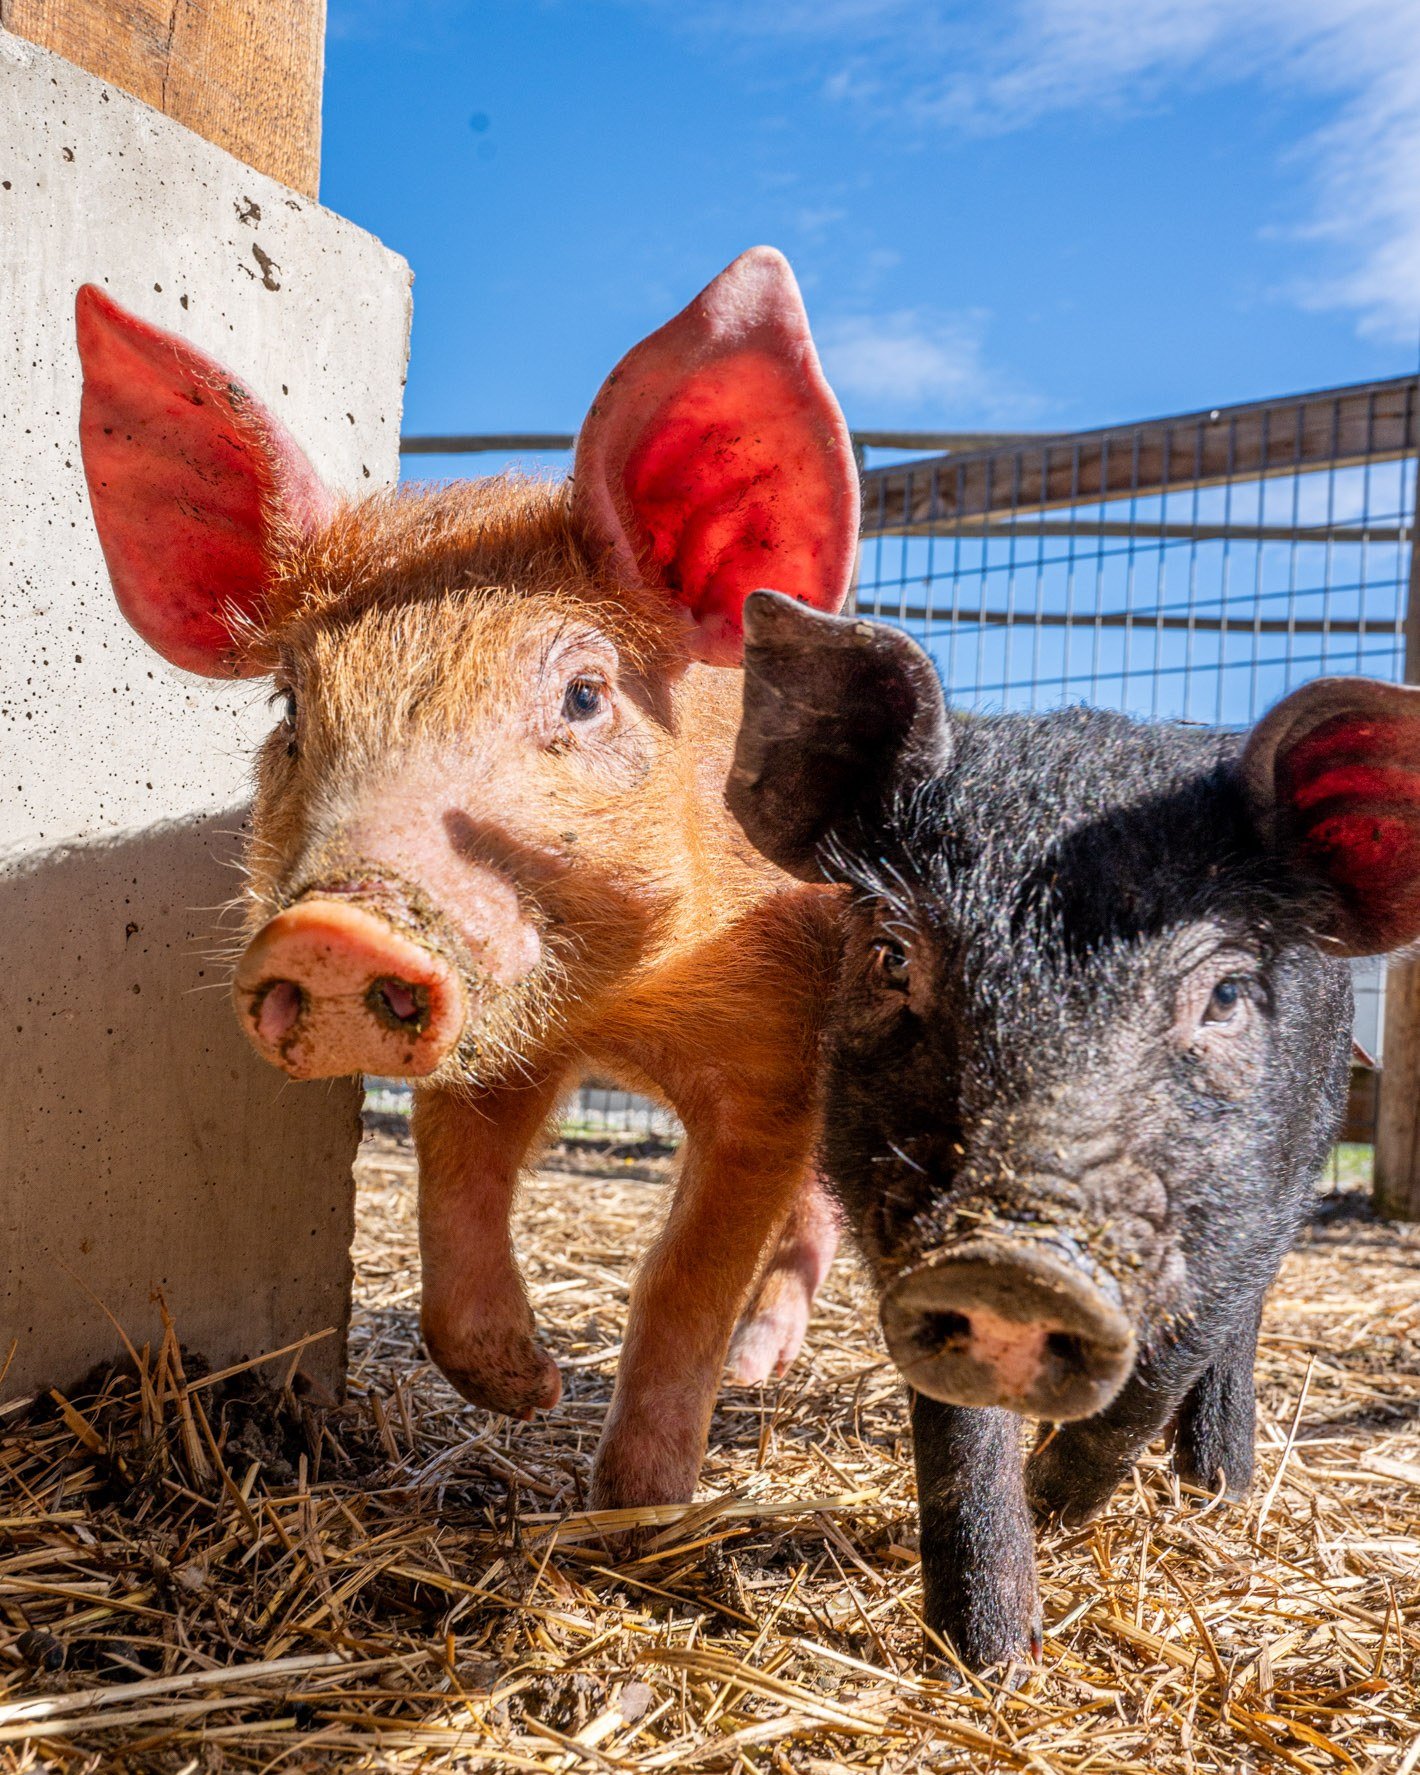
{"x": 1341, "y": 427}
{"x": 245, "y": 74}
{"x": 1359, "y": 1127}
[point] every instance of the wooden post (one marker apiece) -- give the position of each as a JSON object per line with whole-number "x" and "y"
{"x": 246, "y": 74}
{"x": 1397, "y": 1176}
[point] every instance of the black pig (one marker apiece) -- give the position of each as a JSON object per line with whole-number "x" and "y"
{"x": 1086, "y": 1057}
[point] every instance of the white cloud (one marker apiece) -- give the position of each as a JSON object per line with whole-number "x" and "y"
{"x": 913, "y": 362}
{"x": 814, "y": 221}
{"x": 957, "y": 64}
{"x": 1362, "y": 57}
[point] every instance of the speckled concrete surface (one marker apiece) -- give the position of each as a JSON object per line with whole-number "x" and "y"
{"x": 141, "y": 1147}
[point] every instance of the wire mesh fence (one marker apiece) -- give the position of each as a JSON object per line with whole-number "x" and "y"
{"x": 1193, "y": 568}
{"x": 591, "y": 1110}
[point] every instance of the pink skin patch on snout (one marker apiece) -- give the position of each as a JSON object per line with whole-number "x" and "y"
{"x": 327, "y": 988}
{"x": 1014, "y": 1353}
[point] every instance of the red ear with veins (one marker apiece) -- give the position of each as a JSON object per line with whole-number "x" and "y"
{"x": 715, "y": 459}
{"x": 1333, "y": 774}
{"x": 194, "y": 486}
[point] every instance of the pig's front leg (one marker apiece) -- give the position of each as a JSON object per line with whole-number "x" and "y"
{"x": 476, "y": 1319}
{"x": 1217, "y": 1422}
{"x": 1075, "y": 1467}
{"x": 770, "y": 1334}
{"x": 978, "y": 1543}
{"x": 732, "y": 1193}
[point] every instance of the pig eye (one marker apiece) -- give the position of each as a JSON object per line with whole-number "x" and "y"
{"x": 583, "y": 698}
{"x": 1226, "y": 999}
{"x": 890, "y": 967}
{"x": 285, "y": 700}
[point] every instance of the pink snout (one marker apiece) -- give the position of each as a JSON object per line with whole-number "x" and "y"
{"x": 328, "y": 988}
{"x": 1006, "y": 1322}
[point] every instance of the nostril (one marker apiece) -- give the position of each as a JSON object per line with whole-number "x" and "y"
{"x": 1067, "y": 1349}
{"x": 398, "y": 1003}
{"x": 940, "y": 1332}
{"x": 278, "y": 1010}
{"x": 400, "y": 999}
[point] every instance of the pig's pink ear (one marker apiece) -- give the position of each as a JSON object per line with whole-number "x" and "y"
{"x": 1333, "y": 774}
{"x": 194, "y": 487}
{"x": 716, "y": 460}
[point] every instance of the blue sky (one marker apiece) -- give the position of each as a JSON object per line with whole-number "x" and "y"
{"x": 1037, "y": 214}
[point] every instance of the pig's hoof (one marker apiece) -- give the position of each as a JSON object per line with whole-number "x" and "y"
{"x": 771, "y": 1334}
{"x": 1063, "y": 1498}
{"x": 1215, "y": 1470}
{"x": 999, "y": 1658}
{"x": 1219, "y": 1486}
{"x": 515, "y": 1376}
{"x": 624, "y": 1546}
{"x": 1010, "y": 1673}
{"x": 629, "y": 1476}
{"x": 1065, "y": 1513}
{"x": 1062, "y": 1512}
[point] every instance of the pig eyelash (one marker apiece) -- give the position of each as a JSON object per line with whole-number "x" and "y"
{"x": 284, "y": 698}
{"x": 891, "y": 964}
{"x": 879, "y": 882}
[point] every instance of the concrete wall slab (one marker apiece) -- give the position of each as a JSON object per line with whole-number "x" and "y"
{"x": 143, "y": 1148}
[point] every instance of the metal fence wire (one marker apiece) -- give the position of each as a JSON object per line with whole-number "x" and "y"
{"x": 593, "y": 1111}
{"x": 1193, "y": 568}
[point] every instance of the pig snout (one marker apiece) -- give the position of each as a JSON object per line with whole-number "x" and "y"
{"x": 328, "y": 988}
{"x": 1001, "y": 1321}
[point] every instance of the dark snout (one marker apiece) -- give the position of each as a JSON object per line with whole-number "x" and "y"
{"x": 1003, "y": 1321}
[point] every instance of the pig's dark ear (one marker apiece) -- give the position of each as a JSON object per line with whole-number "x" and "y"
{"x": 1333, "y": 775}
{"x": 194, "y": 487}
{"x": 715, "y": 459}
{"x": 839, "y": 716}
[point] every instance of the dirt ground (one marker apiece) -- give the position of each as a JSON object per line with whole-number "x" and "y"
{"x": 203, "y": 1574}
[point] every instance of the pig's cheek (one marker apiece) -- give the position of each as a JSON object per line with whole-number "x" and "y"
{"x": 885, "y": 1235}
{"x": 619, "y": 756}
{"x": 276, "y": 827}
{"x": 1231, "y": 1066}
{"x": 1169, "y": 1289}
{"x": 520, "y": 950}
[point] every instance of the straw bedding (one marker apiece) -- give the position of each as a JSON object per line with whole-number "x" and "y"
{"x": 210, "y": 1573}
